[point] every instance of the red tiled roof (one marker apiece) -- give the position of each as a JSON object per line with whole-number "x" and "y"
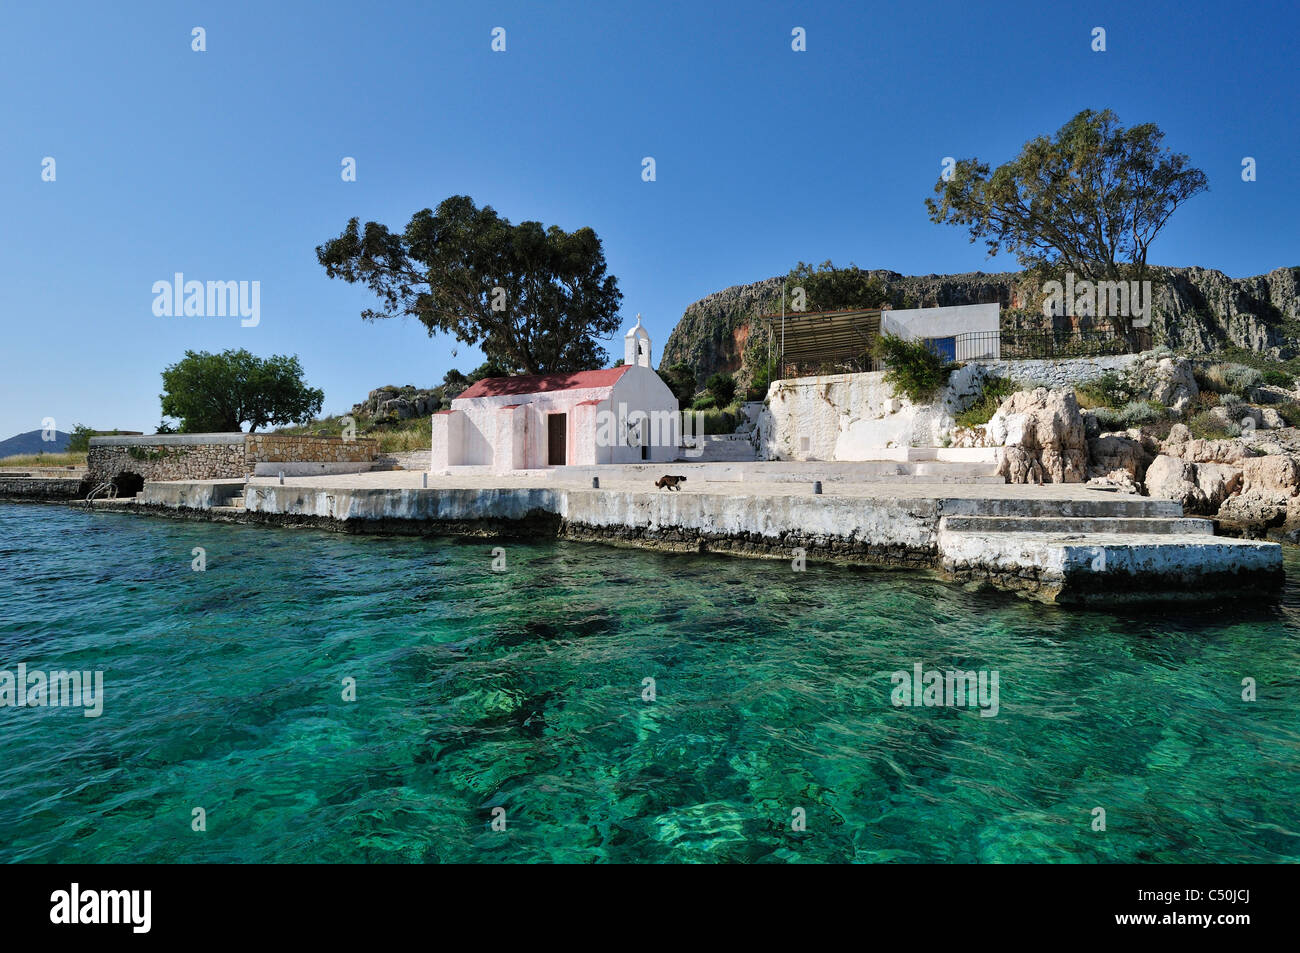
{"x": 544, "y": 383}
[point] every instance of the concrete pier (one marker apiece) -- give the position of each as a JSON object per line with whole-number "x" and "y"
{"x": 1055, "y": 543}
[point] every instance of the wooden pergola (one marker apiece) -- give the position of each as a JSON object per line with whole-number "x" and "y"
{"x": 819, "y": 337}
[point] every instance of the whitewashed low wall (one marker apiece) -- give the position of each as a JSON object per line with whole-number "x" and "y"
{"x": 855, "y": 416}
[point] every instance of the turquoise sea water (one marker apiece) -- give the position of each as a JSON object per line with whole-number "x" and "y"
{"x": 522, "y": 690}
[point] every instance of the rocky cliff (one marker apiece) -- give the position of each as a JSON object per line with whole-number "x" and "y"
{"x": 1197, "y": 310}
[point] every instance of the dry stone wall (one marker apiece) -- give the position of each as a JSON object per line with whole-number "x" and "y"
{"x": 287, "y": 448}
{"x": 215, "y": 456}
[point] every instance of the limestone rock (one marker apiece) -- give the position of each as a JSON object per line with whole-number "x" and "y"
{"x": 1216, "y": 482}
{"x": 400, "y": 402}
{"x": 1195, "y": 310}
{"x": 1276, "y": 476}
{"x": 970, "y": 436}
{"x": 1166, "y": 380}
{"x": 1172, "y": 478}
{"x": 1181, "y": 444}
{"x": 1045, "y": 430}
{"x": 1199, "y": 487}
{"x": 1118, "y": 481}
{"x": 1254, "y": 511}
{"x": 1020, "y": 466}
{"x": 1119, "y": 451}
{"x": 1270, "y": 494}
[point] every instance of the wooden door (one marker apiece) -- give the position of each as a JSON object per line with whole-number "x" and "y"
{"x": 557, "y": 426}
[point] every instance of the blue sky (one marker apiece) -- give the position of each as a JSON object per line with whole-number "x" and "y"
{"x": 225, "y": 164}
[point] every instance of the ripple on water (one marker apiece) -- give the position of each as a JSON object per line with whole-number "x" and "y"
{"x": 523, "y": 691}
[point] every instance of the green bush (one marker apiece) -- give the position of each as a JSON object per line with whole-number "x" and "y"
{"x": 757, "y": 389}
{"x": 80, "y": 439}
{"x": 1289, "y": 412}
{"x": 711, "y": 422}
{"x": 1277, "y": 378}
{"x": 996, "y": 390}
{"x": 1226, "y": 378}
{"x": 680, "y": 379}
{"x": 1138, "y": 412}
{"x": 1135, "y": 413}
{"x": 704, "y": 402}
{"x": 912, "y": 368}
{"x": 1206, "y": 426}
{"x": 1108, "y": 419}
{"x": 1109, "y": 390}
{"x": 722, "y": 387}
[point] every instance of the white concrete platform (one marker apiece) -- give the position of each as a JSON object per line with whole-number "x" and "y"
{"x": 1056, "y": 543}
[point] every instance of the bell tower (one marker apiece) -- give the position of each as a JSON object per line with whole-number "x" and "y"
{"x": 636, "y": 346}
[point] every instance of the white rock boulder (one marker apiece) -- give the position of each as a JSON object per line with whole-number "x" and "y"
{"x": 1043, "y": 434}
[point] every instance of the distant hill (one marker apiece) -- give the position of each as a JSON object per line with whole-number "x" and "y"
{"x": 31, "y": 442}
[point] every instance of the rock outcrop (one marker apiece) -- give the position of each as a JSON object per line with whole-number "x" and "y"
{"x": 1270, "y": 494}
{"x": 1200, "y": 487}
{"x": 1166, "y": 380}
{"x": 1181, "y": 444}
{"x": 400, "y": 402}
{"x": 1112, "y": 452}
{"x": 1042, "y": 431}
{"x": 1197, "y": 310}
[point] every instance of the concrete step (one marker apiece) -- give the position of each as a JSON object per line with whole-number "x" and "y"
{"x": 877, "y": 471}
{"x": 1105, "y": 505}
{"x": 1106, "y": 567}
{"x": 725, "y": 448}
{"x": 1090, "y": 525}
{"x": 236, "y": 502}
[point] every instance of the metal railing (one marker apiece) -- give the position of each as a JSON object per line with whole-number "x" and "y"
{"x": 1047, "y": 345}
{"x": 107, "y": 491}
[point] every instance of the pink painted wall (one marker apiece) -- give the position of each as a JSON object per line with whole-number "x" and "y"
{"x": 482, "y": 431}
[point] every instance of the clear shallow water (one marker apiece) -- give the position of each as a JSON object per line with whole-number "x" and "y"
{"x": 522, "y": 690}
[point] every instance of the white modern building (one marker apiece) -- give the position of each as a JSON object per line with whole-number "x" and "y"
{"x": 622, "y": 414}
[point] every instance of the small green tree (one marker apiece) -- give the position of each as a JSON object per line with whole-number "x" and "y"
{"x": 79, "y": 442}
{"x": 759, "y": 384}
{"x": 913, "y": 368}
{"x": 722, "y": 387}
{"x": 680, "y": 379}
{"x": 216, "y": 393}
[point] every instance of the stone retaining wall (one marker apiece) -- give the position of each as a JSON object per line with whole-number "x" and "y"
{"x": 42, "y": 489}
{"x": 1069, "y": 372}
{"x": 288, "y": 448}
{"x": 218, "y": 456}
{"x": 168, "y": 457}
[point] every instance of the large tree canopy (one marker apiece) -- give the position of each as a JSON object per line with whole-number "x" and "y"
{"x": 216, "y": 393}
{"x": 1092, "y": 199}
{"x": 827, "y": 288}
{"x": 534, "y": 299}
